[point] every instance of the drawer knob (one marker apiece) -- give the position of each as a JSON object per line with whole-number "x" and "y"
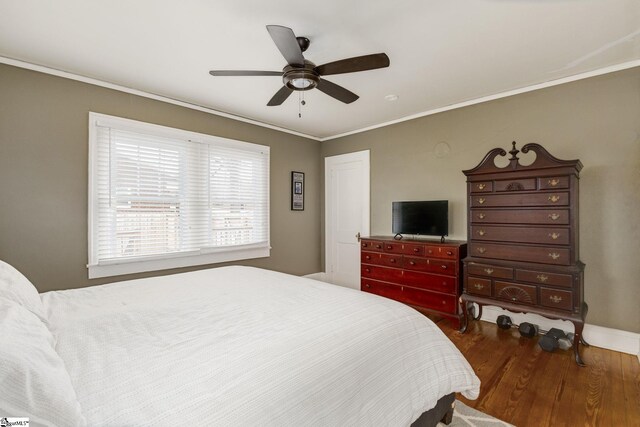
{"x": 555, "y": 299}
{"x": 542, "y": 278}
{"x": 367, "y": 285}
{"x": 412, "y": 263}
{"x": 554, "y": 236}
{"x": 481, "y": 232}
{"x": 554, "y": 216}
{"x": 481, "y": 186}
{"x": 554, "y": 198}
{"x": 367, "y": 257}
{"x": 364, "y": 245}
{"x": 481, "y": 200}
{"x": 481, "y": 250}
{"x": 416, "y": 249}
{"x": 554, "y": 255}
{"x": 378, "y": 247}
{"x": 389, "y": 247}
{"x": 368, "y": 270}
{"x": 392, "y": 260}
{"x": 478, "y": 286}
{"x": 481, "y": 216}
{"x": 449, "y": 253}
{"x": 444, "y": 267}
{"x": 553, "y": 182}
{"x": 514, "y": 299}
{"x": 488, "y": 270}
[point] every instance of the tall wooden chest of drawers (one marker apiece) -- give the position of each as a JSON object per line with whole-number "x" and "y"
{"x": 424, "y": 274}
{"x": 523, "y": 238}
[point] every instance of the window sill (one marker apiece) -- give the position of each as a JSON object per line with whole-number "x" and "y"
{"x": 140, "y": 266}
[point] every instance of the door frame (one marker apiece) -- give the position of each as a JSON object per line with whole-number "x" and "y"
{"x": 331, "y": 162}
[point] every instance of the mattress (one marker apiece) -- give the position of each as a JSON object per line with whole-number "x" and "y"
{"x": 246, "y": 346}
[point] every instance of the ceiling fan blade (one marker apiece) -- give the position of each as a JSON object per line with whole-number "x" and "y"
{"x": 222, "y": 73}
{"x": 286, "y": 42}
{"x": 337, "y": 92}
{"x": 280, "y": 96}
{"x": 351, "y": 65}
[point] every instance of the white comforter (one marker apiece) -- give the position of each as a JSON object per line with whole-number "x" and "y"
{"x": 244, "y": 346}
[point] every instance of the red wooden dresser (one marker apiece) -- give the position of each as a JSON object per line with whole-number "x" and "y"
{"x": 424, "y": 274}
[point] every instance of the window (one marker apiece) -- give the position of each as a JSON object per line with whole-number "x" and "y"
{"x": 165, "y": 198}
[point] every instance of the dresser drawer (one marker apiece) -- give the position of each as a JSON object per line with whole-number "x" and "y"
{"x": 446, "y": 252}
{"x": 393, "y": 275}
{"x": 404, "y": 248}
{"x": 556, "y": 298}
{"x": 489, "y": 271}
{"x": 547, "y": 235}
{"x": 439, "y": 266}
{"x": 478, "y": 286}
{"x": 553, "y": 182}
{"x": 376, "y": 258}
{"x": 544, "y": 278}
{"x": 481, "y": 187}
{"x": 516, "y": 292}
{"x": 432, "y": 300}
{"x": 371, "y": 245}
{"x": 431, "y": 282}
{"x": 520, "y": 216}
{"x": 526, "y": 184}
{"x": 524, "y": 200}
{"x": 417, "y": 297}
{"x": 537, "y": 254}
{"x": 380, "y": 288}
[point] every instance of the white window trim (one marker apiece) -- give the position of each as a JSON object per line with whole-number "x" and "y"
{"x": 164, "y": 261}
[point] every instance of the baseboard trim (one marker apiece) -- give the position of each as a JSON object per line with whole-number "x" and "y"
{"x": 599, "y": 336}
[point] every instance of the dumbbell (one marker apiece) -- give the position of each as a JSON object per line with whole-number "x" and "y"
{"x": 504, "y": 322}
{"x": 555, "y": 338}
{"x": 528, "y": 330}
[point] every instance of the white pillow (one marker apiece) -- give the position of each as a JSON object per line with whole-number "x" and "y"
{"x": 16, "y": 287}
{"x": 35, "y": 382}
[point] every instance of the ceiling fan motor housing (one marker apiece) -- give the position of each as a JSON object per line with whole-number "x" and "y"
{"x": 301, "y": 77}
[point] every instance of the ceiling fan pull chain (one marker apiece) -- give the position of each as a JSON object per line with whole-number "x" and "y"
{"x": 301, "y": 103}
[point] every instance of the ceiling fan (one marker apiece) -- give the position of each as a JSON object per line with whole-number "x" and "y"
{"x": 300, "y": 74}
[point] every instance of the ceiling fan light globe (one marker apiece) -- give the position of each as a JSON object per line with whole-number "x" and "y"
{"x": 301, "y": 83}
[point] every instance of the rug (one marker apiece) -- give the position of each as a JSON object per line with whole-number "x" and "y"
{"x": 464, "y": 416}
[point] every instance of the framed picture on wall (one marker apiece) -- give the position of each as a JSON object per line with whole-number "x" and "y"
{"x": 297, "y": 191}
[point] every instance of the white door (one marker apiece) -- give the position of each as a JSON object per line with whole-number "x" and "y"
{"x": 346, "y": 183}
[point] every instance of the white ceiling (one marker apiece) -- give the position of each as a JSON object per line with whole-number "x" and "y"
{"x": 442, "y": 52}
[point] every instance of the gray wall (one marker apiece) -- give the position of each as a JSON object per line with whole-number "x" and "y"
{"x": 596, "y": 120}
{"x": 43, "y": 176}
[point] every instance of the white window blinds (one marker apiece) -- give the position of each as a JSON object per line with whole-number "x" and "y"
{"x": 159, "y": 194}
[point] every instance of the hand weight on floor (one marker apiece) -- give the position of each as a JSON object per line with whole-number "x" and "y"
{"x": 553, "y": 339}
{"x": 504, "y": 322}
{"x": 528, "y": 330}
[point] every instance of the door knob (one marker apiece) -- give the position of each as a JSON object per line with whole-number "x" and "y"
{"x": 358, "y": 236}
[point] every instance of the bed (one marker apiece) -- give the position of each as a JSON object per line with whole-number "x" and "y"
{"x": 225, "y": 346}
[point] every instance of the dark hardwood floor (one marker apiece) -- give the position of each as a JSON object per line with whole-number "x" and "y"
{"x": 525, "y": 386}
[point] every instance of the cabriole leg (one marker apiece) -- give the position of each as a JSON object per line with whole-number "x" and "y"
{"x": 577, "y": 339}
{"x": 465, "y": 312}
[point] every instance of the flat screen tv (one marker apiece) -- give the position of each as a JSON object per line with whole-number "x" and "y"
{"x": 428, "y": 218}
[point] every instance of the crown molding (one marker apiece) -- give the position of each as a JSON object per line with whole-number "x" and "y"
{"x": 525, "y": 89}
{"x": 96, "y": 82}
{"x": 530, "y": 88}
